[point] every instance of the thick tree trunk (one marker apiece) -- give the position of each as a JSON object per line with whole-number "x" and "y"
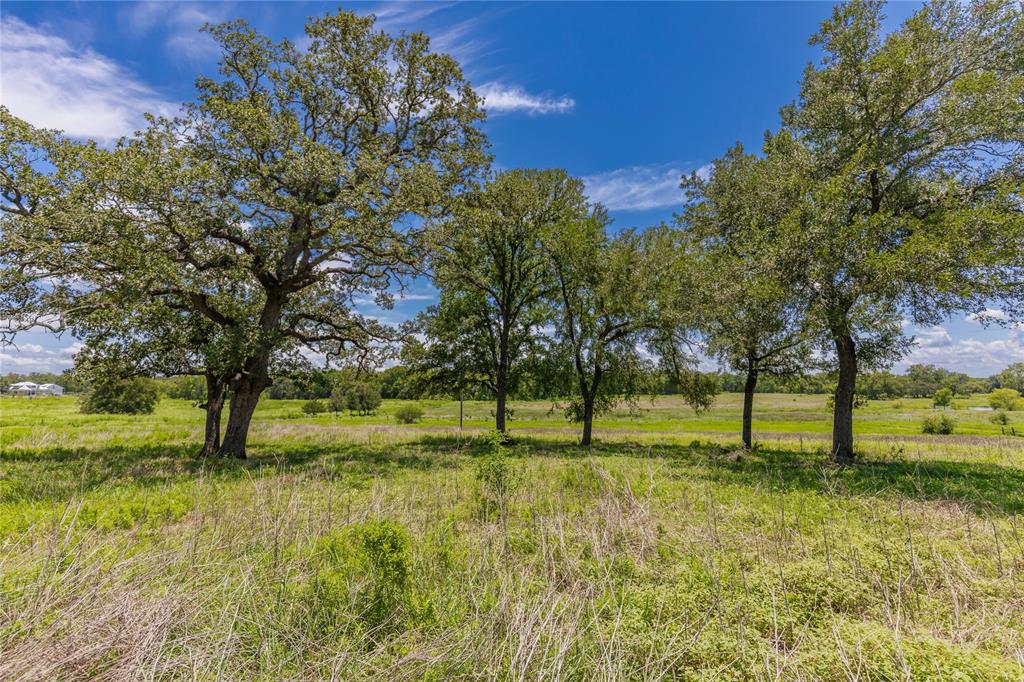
{"x": 588, "y": 420}
{"x": 245, "y": 397}
{"x": 842, "y": 420}
{"x": 748, "y": 407}
{"x": 216, "y": 390}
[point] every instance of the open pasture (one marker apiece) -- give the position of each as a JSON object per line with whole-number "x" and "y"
{"x": 354, "y": 548}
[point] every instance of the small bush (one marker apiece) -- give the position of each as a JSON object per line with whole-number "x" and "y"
{"x": 409, "y": 414}
{"x": 1004, "y": 399}
{"x": 136, "y": 395}
{"x": 314, "y": 407}
{"x": 1000, "y": 418}
{"x": 364, "y": 581}
{"x": 499, "y": 478}
{"x": 938, "y": 424}
{"x": 942, "y": 397}
{"x": 386, "y": 560}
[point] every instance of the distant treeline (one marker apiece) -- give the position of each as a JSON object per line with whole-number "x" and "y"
{"x": 400, "y": 382}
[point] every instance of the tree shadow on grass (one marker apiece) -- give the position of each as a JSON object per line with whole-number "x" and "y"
{"x": 981, "y": 486}
{"x": 54, "y": 473}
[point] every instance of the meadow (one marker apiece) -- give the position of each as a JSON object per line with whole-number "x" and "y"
{"x": 357, "y": 548}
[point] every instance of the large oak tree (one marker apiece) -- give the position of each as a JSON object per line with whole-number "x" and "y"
{"x": 296, "y": 180}
{"x": 915, "y": 140}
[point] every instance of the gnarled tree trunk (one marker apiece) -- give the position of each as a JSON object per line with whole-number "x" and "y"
{"x": 216, "y": 391}
{"x": 246, "y": 391}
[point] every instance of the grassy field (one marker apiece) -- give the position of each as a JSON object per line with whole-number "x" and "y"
{"x": 355, "y": 548}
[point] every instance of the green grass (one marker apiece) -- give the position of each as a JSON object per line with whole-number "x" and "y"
{"x": 355, "y": 548}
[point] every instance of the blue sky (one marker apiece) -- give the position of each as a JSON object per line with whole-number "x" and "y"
{"x": 627, "y": 96}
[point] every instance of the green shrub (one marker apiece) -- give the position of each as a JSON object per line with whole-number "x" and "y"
{"x": 386, "y": 561}
{"x": 1004, "y": 399}
{"x": 498, "y": 477}
{"x": 363, "y": 581}
{"x": 942, "y": 397}
{"x": 1000, "y": 418}
{"x": 314, "y": 407}
{"x": 136, "y": 395}
{"x": 409, "y": 414}
{"x": 938, "y": 424}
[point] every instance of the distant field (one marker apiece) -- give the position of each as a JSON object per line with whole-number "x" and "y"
{"x": 775, "y": 415}
{"x": 357, "y": 548}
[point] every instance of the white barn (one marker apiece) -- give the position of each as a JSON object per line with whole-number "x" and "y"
{"x": 24, "y": 388}
{"x": 50, "y": 389}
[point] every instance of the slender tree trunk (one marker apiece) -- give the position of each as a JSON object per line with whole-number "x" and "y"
{"x": 245, "y": 397}
{"x": 748, "y": 407}
{"x": 502, "y": 382}
{"x": 216, "y": 390}
{"x": 589, "y": 396}
{"x": 499, "y": 414}
{"x": 460, "y": 411}
{"x": 842, "y": 420}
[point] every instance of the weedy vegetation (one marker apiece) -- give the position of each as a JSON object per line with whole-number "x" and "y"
{"x": 353, "y": 548}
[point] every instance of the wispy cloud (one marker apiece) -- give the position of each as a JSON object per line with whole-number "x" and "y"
{"x": 49, "y": 83}
{"x": 181, "y": 22}
{"x": 639, "y": 188}
{"x": 499, "y": 98}
{"x": 463, "y": 39}
{"x": 401, "y": 16}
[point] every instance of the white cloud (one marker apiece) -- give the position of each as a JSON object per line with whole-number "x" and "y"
{"x": 971, "y": 356}
{"x": 462, "y": 40}
{"x": 182, "y": 22}
{"x": 499, "y": 98}
{"x": 639, "y": 188}
{"x": 76, "y": 347}
{"x": 402, "y": 16}
{"x": 987, "y": 315}
{"x": 22, "y": 361}
{"x": 933, "y": 337}
{"x": 49, "y": 83}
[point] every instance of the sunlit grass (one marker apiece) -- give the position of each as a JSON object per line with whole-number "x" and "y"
{"x": 660, "y": 553}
